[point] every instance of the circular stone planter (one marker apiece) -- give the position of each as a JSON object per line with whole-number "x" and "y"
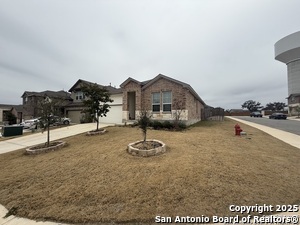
{"x": 94, "y": 132}
{"x": 53, "y": 147}
{"x": 159, "y": 148}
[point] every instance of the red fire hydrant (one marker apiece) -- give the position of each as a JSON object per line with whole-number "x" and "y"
{"x": 238, "y": 129}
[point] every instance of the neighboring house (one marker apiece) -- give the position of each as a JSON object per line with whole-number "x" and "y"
{"x": 74, "y": 110}
{"x": 293, "y": 102}
{"x": 31, "y": 101}
{"x": 163, "y": 96}
{"x": 16, "y": 110}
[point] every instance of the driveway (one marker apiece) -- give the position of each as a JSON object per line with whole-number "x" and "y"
{"x": 38, "y": 138}
{"x": 292, "y": 126}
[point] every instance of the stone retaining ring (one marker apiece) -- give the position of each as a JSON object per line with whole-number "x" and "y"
{"x": 145, "y": 153}
{"x": 93, "y": 132}
{"x": 32, "y": 151}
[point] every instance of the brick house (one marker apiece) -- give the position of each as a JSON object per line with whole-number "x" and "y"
{"x": 163, "y": 96}
{"x": 74, "y": 110}
{"x": 31, "y": 101}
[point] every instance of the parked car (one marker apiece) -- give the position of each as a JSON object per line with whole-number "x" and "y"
{"x": 278, "y": 116}
{"x": 56, "y": 120}
{"x": 30, "y": 124}
{"x": 255, "y": 114}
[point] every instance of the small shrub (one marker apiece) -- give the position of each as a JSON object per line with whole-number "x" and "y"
{"x": 167, "y": 125}
{"x": 157, "y": 125}
{"x": 135, "y": 124}
{"x": 150, "y": 123}
{"x": 182, "y": 126}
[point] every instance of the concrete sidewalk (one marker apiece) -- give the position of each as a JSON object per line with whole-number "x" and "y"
{"x": 14, "y": 220}
{"x": 39, "y": 137}
{"x": 287, "y": 137}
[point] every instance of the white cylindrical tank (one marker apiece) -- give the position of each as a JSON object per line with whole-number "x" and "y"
{"x": 287, "y": 50}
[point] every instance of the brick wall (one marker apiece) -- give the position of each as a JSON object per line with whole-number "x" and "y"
{"x": 132, "y": 87}
{"x": 191, "y": 107}
{"x": 194, "y": 108}
{"x": 161, "y": 85}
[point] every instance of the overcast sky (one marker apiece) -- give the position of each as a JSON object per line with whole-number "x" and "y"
{"x": 223, "y": 48}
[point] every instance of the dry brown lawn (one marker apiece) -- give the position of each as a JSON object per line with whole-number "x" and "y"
{"x": 205, "y": 169}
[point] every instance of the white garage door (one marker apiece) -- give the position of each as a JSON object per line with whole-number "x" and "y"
{"x": 74, "y": 116}
{"x": 113, "y": 116}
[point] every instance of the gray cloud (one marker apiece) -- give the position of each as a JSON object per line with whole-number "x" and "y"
{"x": 224, "y": 49}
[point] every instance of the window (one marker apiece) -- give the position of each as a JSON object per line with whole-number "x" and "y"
{"x": 156, "y": 102}
{"x": 167, "y": 101}
{"x": 80, "y": 95}
{"x": 293, "y": 99}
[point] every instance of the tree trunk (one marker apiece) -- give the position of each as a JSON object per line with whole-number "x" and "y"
{"x": 48, "y": 133}
{"x": 97, "y": 123}
{"x": 145, "y": 136}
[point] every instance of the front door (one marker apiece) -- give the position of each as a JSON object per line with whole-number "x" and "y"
{"x": 131, "y": 105}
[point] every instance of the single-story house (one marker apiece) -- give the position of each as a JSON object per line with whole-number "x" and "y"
{"x": 163, "y": 96}
{"x": 74, "y": 110}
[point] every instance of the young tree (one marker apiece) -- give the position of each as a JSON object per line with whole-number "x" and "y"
{"x": 97, "y": 100}
{"x": 252, "y": 105}
{"x": 178, "y": 107}
{"x": 11, "y": 118}
{"x": 144, "y": 121}
{"x": 47, "y": 108}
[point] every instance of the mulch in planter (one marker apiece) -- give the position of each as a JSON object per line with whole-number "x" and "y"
{"x": 147, "y": 145}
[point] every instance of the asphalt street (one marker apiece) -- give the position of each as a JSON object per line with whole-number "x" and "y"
{"x": 292, "y": 126}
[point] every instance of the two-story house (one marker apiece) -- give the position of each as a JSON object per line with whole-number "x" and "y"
{"x": 31, "y": 101}
{"x": 74, "y": 110}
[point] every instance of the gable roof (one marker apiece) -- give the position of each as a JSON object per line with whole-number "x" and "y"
{"x": 111, "y": 90}
{"x": 53, "y": 94}
{"x": 19, "y": 108}
{"x": 293, "y": 95}
{"x": 145, "y": 84}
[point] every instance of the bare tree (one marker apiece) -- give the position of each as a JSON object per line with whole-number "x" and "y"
{"x": 47, "y": 108}
{"x": 178, "y": 107}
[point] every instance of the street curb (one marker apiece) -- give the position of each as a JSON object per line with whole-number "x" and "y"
{"x": 287, "y": 137}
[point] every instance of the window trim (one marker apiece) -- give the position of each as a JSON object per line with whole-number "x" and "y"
{"x": 155, "y": 104}
{"x": 166, "y": 103}
{"x": 79, "y": 95}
